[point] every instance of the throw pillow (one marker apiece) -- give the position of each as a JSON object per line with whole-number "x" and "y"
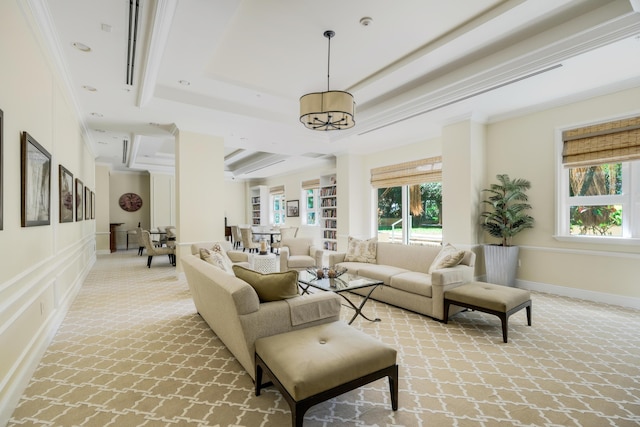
{"x": 448, "y": 256}
{"x": 217, "y": 248}
{"x": 217, "y": 259}
{"x": 362, "y": 250}
{"x": 272, "y": 286}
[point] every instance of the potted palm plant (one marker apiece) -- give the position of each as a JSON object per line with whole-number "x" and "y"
{"x": 506, "y": 216}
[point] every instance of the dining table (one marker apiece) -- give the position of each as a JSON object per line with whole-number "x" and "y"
{"x": 271, "y": 233}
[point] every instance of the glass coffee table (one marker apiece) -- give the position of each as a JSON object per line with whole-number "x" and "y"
{"x": 344, "y": 283}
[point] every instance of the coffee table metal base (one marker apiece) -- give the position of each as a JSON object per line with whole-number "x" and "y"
{"x": 356, "y": 308}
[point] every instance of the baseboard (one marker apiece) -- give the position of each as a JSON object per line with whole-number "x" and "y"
{"x": 621, "y": 300}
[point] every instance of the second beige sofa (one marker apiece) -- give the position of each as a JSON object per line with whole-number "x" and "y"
{"x": 405, "y": 271}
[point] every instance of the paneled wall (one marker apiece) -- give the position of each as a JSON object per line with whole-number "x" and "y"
{"x": 41, "y": 268}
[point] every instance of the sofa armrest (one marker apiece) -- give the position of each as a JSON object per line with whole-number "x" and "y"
{"x": 336, "y": 257}
{"x": 314, "y": 307}
{"x": 445, "y": 279}
{"x": 317, "y": 254}
{"x": 284, "y": 258}
{"x": 238, "y": 256}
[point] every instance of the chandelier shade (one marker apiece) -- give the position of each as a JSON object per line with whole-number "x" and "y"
{"x": 330, "y": 110}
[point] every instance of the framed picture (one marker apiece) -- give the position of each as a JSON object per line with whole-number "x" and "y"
{"x": 293, "y": 207}
{"x": 87, "y": 203}
{"x": 1, "y": 166}
{"x": 79, "y": 193}
{"x": 93, "y": 205}
{"x": 35, "y": 183}
{"x": 66, "y": 194}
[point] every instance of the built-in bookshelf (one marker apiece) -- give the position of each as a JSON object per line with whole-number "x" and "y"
{"x": 329, "y": 212}
{"x": 259, "y": 205}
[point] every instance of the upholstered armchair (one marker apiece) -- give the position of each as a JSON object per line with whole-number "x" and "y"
{"x": 155, "y": 250}
{"x": 285, "y": 233}
{"x": 299, "y": 253}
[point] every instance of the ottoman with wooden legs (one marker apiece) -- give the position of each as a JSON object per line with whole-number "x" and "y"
{"x": 311, "y": 365}
{"x": 501, "y": 301}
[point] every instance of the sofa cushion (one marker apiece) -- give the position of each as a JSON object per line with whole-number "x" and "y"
{"x": 352, "y": 267}
{"x": 217, "y": 259}
{"x": 272, "y": 286}
{"x": 301, "y": 261}
{"x": 361, "y": 250}
{"x": 448, "y": 256}
{"x": 413, "y": 282}
{"x": 380, "y": 272}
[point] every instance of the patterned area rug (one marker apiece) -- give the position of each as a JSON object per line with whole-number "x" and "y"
{"x": 132, "y": 351}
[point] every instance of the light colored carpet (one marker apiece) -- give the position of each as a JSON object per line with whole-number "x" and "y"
{"x": 133, "y": 352}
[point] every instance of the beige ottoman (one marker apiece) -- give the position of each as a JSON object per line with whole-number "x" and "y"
{"x": 315, "y": 364}
{"x": 501, "y": 301}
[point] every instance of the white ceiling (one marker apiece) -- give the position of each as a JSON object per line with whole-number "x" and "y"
{"x": 419, "y": 65}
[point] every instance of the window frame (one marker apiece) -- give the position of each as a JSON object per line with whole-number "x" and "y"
{"x": 316, "y": 206}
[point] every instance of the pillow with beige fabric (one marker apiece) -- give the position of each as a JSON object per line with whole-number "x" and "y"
{"x": 272, "y": 286}
{"x": 219, "y": 249}
{"x": 362, "y": 250}
{"x": 448, "y": 256}
{"x": 216, "y": 258}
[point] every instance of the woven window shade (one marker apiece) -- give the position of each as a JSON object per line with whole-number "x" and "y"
{"x": 611, "y": 142}
{"x": 409, "y": 173}
{"x": 311, "y": 184}
{"x": 278, "y": 189}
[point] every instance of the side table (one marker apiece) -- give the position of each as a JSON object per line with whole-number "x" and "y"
{"x": 264, "y": 263}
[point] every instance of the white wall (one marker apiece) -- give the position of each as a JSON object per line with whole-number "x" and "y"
{"x": 41, "y": 268}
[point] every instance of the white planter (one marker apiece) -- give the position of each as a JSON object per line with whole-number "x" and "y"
{"x": 501, "y": 264}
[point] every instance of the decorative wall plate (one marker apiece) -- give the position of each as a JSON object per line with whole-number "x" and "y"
{"x": 130, "y": 202}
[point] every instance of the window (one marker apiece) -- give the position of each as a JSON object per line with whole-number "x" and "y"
{"x": 278, "y": 208}
{"x": 310, "y": 203}
{"x": 409, "y": 193}
{"x": 600, "y": 181}
{"x": 310, "y": 206}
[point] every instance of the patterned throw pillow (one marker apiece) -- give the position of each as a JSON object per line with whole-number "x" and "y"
{"x": 449, "y": 256}
{"x": 217, "y": 259}
{"x": 219, "y": 249}
{"x": 362, "y": 250}
{"x": 272, "y": 286}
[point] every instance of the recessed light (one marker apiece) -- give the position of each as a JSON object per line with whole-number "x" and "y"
{"x": 97, "y": 115}
{"x": 184, "y": 82}
{"x": 366, "y": 21}
{"x": 106, "y": 28}
{"x": 81, "y": 47}
{"x": 89, "y": 88}
{"x": 102, "y": 142}
{"x": 100, "y": 130}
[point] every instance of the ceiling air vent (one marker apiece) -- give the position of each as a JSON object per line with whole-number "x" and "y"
{"x": 134, "y": 9}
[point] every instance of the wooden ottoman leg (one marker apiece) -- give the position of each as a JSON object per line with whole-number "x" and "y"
{"x": 504, "y": 318}
{"x": 393, "y": 388}
{"x": 529, "y": 307}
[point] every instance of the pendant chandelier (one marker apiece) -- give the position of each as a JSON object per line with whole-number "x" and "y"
{"x": 330, "y": 110}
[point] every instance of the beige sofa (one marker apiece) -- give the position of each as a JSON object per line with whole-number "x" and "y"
{"x": 231, "y": 308}
{"x": 404, "y": 269}
{"x": 236, "y": 257}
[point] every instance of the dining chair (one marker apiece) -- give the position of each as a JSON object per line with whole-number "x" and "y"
{"x": 247, "y": 240}
{"x": 157, "y": 250}
{"x": 237, "y": 237}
